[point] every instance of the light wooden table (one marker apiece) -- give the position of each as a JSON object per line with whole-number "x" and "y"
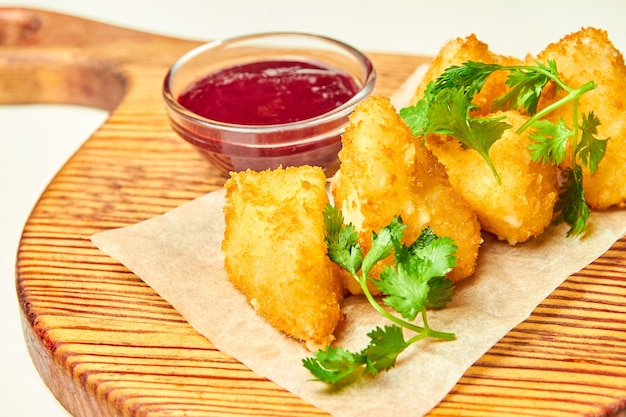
{"x": 107, "y": 345}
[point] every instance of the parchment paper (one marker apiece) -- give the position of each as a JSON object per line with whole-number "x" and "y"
{"x": 178, "y": 254}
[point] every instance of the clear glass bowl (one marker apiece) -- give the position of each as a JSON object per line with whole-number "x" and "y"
{"x": 236, "y": 147}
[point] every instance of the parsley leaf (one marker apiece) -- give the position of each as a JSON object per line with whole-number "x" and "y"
{"x": 415, "y": 283}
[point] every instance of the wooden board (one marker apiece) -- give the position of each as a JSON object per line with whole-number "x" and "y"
{"x": 107, "y": 345}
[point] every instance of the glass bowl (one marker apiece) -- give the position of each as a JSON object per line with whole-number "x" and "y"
{"x": 237, "y": 147}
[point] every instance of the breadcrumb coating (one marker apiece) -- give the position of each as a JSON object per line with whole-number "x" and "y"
{"x": 274, "y": 240}
{"x": 385, "y": 171}
{"x": 589, "y": 55}
{"x": 460, "y": 50}
{"x": 275, "y": 251}
{"x": 522, "y": 205}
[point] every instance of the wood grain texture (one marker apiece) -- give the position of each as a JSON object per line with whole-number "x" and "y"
{"x": 107, "y": 345}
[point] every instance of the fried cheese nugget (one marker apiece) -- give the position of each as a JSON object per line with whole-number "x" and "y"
{"x": 460, "y": 50}
{"x": 385, "y": 171}
{"x": 589, "y": 55}
{"x": 275, "y": 252}
{"x": 522, "y": 205}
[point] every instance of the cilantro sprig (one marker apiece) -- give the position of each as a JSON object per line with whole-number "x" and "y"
{"x": 447, "y": 105}
{"x": 446, "y": 110}
{"x": 413, "y": 285}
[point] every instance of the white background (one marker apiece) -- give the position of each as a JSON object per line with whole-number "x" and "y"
{"x": 36, "y": 140}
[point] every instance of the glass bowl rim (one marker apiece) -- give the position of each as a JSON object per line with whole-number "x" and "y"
{"x": 339, "y": 112}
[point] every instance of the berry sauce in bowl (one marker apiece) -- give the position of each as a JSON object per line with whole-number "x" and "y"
{"x": 262, "y": 101}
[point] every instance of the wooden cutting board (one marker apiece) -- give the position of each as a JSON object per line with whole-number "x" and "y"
{"x": 107, "y": 345}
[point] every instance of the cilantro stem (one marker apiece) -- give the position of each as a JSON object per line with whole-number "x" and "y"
{"x": 447, "y": 103}
{"x": 575, "y": 134}
{"x": 436, "y": 333}
{"x": 491, "y": 165}
{"x": 422, "y": 332}
{"x": 416, "y": 284}
{"x": 540, "y": 70}
{"x": 573, "y": 95}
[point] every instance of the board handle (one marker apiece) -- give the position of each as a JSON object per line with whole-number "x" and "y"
{"x": 47, "y": 57}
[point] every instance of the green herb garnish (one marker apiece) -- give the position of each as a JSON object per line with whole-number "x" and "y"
{"x": 446, "y": 109}
{"x": 415, "y": 283}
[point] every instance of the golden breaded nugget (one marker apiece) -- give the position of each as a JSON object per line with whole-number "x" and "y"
{"x": 522, "y": 205}
{"x": 589, "y": 55}
{"x": 459, "y": 51}
{"x": 385, "y": 171}
{"x": 275, "y": 251}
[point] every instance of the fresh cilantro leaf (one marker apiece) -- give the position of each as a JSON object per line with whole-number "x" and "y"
{"x": 334, "y": 365}
{"x": 424, "y": 239}
{"x": 571, "y": 205}
{"x": 408, "y": 284}
{"x": 440, "y": 294}
{"x": 383, "y": 243}
{"x": 441, "y": 253}
{"x": 339, "y": 366}
{"x": 341, "y": 242}
{"x": 448, "y": 113}
{"x": 526, "y": 86}
{"x": 416, "y": 117}
{"x": 591, "y": 149}
{"x": 437, "y": 258}
{"x": 469, "y": 77}
{"x": 385, "y": 346}
{"x": 333, "y": 221}
{"x": 485, "y": 132}
{"x": 447, "y": 104}
{"x": 409, "y": 287}
{"x": 406, "y": 292}
{"x": 550, "y": 142}
{"x": 402, "y": 253}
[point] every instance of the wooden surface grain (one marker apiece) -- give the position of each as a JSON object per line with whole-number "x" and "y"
{"x": 107, "y": 345}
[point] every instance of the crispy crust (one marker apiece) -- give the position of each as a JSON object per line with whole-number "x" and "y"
{"x": 460, "y": 50}
{"x": 581, "y": 57}
{"x": 275, "y": 251}
{"x": 518, "y": 208}
{"x": 385, "y": 171}
{"x": 522, "y": 206}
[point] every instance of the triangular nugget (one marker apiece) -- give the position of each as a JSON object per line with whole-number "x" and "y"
{"x": 275, "y": 251}
{"x": 589, "y": 55}
{"x": 385, "y": 171}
